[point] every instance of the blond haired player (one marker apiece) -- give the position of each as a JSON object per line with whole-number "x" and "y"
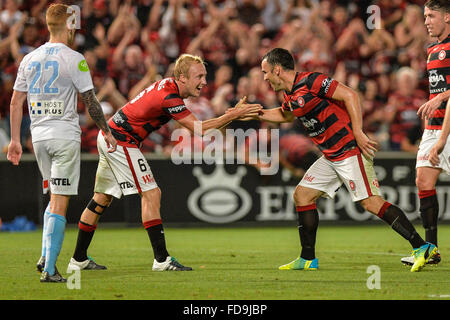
{"x": 127, "y": 172}
{"x": 49, "y": 78}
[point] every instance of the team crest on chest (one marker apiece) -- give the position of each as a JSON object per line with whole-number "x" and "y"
{"x": 301, "y": 102}
{"x": 442, "y": 55}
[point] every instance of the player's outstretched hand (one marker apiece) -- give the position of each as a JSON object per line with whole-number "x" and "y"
{"x": 426, "y": 110}
{"x": 245, "y": 111}
{"x": 111, "y": 142}
{"x": 435, "y": 152}
{"x": 14, "y": 152}
{"x": 368, "y": 146}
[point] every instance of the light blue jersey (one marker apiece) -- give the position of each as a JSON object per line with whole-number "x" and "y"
{"x": 52, "y": 75}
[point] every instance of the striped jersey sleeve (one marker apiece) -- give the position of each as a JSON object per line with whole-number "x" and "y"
{"x": 174, "y": 106}
{"x": 321, "y": 85}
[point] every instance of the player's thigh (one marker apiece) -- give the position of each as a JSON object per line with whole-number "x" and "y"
{"x": 59, "y": 164}
{"x": 304, "y": 196}
{"x": 44, "y": 163}
{"x": 321, "y": 178}
{"x": 429, "y": 139}
{"x": 426, "y": 177}
{"x": 65, "y": 170}
{"x": 105, "y": 179}
{"x": 125, "y": 169}
{"x": 358, "y": 175}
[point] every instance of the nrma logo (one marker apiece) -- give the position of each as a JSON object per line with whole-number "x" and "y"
{"x": 219, "y": 198}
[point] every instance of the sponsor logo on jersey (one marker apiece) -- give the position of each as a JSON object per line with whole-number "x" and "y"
{"x": 60, "y": 181}
{"x": 83, "y": 66}
{"x": 326, "y": 83}
{"x": 376, "y": 183}
{"x": 435, "y": 78}
{"x": 176, "y": 109}
{"x": 125, "y": 185}
{"x": 148, "y": 178}
{"x": 309, "y": 124}
{"x": 47, "y": 108}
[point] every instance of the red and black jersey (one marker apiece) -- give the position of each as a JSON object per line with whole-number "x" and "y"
{"x": 325, "y": 120}
{"x": 152, "y": 108}
{"x": 438, "y": 67}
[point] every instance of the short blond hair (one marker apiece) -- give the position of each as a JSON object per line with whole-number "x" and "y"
{"x": 56, "y": 17}
{"x": 183, "y": 64}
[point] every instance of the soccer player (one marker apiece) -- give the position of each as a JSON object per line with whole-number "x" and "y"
{"x": 50, "y": 78}
{"x": 330, "y": 112}
{"x": 434, "y": 150}
{"x": 127, "y": 172}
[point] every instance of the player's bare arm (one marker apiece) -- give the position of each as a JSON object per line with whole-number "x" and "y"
{"x": 351, "y": 99}
{"x": 426, "y": 110}
{"x": 276, "y": 115}
{"x": 241, "y": 110}
{"x": 96, "y": 113}
{"x": 440, "y": 144}
{"x": 15, "y": 147}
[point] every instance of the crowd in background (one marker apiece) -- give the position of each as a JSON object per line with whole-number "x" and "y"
{"x": 130, "y": 44}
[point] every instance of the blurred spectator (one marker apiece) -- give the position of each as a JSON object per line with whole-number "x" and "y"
{"x": 410, "y": 29}
{"x": 10, "y": 15}
{"x": 401, "y": 110}
{"x": 297, "y": 153}
{"x": 411, "y": 141}
{"x": 96, "y": 13}
{"x": 89, "y": 131}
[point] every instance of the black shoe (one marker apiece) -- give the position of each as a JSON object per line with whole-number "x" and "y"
{"x": 45, "y": 277}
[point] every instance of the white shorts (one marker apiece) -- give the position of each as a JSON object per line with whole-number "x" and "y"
{"x": 59, "y": 163}
{"x": 429, "y": 138}
{"x": 356, "y": 172}
{"x": 122, "y": 172}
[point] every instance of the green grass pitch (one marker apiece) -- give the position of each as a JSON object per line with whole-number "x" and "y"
{"x": 229, "y": 264}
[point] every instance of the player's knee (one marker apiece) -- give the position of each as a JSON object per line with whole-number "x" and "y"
{"x": 372, "y": 204}
{"x": 99, "y": 203}
{"x": 426, "y": 179}
{"x": 424, "y": 183}
{"x": 152, "y": 195}
{"x": 303, "y": 198}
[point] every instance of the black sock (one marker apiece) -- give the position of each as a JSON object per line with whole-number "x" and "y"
{"x": 308, "y": 222}
{"x": 397, "y": 219}
{"x": 429, "y": 211}
{"x": 155, "y": 232}
{"x": 85, "y": 234}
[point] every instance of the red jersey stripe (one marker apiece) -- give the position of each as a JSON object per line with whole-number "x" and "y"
{"x": 130, "y": 164}
{"x": 364, "y": 175}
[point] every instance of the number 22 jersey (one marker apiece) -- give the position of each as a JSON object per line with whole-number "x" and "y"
{"x": 52, "y": 75}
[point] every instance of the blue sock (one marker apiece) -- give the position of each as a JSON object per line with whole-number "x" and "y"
{"x": 56, "y": 225}
{"x": 44, "y": 227}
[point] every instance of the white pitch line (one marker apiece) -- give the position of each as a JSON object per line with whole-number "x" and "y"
{"x": 439, "y": 295}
